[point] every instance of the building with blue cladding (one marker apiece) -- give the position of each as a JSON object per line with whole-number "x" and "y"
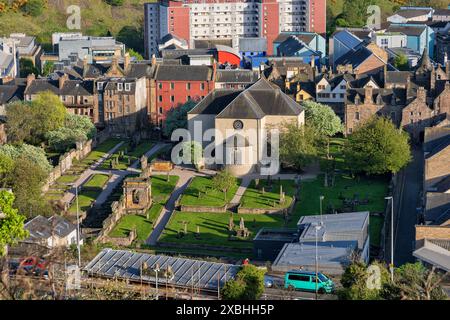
{"x": 341, "y": 43}
{"x": 253, "y": 52}
{"x": 418, "y": 36}
{"x": 312, "y": 42}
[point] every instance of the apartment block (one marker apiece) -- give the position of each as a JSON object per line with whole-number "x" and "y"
{"x": 228, "y": 20}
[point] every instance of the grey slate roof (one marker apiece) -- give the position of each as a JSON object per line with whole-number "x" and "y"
{"x": 237, "y": 76}
{"x": 140, "y": 69}
{"x": 354, "y": 57}
{"x": 41, "y": 228}
{"x": 386, "y": 95}
{"x": 407, "y": 30}
{"x": 252, "y": 44}
{"x": 441, "y": 12}
{"x": 305, "y": 37}
{"x": 10, "y": 93}
{"x": 215, "y": 101}
{"x": 400, "y": 77}
{"x": 5, "y": 59}
{"x": 347, "y": 38}
{"x": 259, "y": 100}
{"x": 126, "y": 265}
{"x": 70, "y": 87}
{"x": 183, "y": 73}
{"x": 412, "y": 13}
{"x": 290, "y": 46}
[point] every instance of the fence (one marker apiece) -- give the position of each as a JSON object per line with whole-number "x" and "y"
{"x": 385, "y": 230}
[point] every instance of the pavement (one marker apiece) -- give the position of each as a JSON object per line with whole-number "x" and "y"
{"x": 408, "y": 199}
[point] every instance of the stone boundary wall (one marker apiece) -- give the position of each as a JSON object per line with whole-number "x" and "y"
{"x": 79, "y": 153}
{"x": 384, "y": 247}
{"x": 283, "y": 211}
{"x": 204, "y": 247}
{"x": 117, "y": 212}
{"x": 201, "y": 209}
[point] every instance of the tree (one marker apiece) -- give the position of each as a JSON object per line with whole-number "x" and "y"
{"x": 26, "y": 181}
{"x": 195, "y": 151}
{"x": 298, "y": 145}
{"x": 48, "y": 113}
{"x": 27, "y": 67}
{"x": 355, "y": 12}
{"x": 415, "y": 282}
{"x": 324, "y": 120}
{"x": 34, "y": 154}
{"x": 377, "y": 147}
{"x": 135, "y": 54}
{"x": 76, "y": 128}
{"x": 401, "y": 62}
{"x": 132, "y": 37}
{"x": 177, "y": 117}
{"x": 33, "y": 8}
{"x": 6, "y": 166}
{"x": 12, "y": 224}
{"x": 116, "y": 3}
{"x": 223, "y": 182}
{"x": 20, "y": 122}
{"x": 358, "y": 283}
{"x": 248, "y": 284}
{"x": 49, "y": 67}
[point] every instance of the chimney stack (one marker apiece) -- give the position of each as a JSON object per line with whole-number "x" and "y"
{"x": 62, "y": 80}
{"x": 126, "y": 61}
{"x": 447, "y": 69}
{"x": 368, "y": 93}
{"x": 30, "y": 78}
{"x": 313, "y": 61}
{"x": 153, "y": 60}
{"x": 85, "y": 62}
{"x": 421, "y": 94}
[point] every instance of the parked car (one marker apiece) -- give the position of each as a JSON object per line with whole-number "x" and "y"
{"x": 305, "y": 281}
{"x": 268, "y": 281}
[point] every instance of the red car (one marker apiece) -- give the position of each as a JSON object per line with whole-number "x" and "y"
{"x": 34, "y": 266}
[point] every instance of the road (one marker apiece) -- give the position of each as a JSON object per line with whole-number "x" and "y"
{"x": 405, "y": 207}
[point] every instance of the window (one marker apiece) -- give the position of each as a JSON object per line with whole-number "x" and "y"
{"x": 172, "y": 85}
{"x": 298, "y": 277}
{"x": 188, "y": 86}
{"x": 120, "y": 86}
{"x": 160, "y": 85}
{"x": 127, "y": 86}
{"x": 99, "y": 85}
{"x": 160, "y": 110}
{"x": 356, "y": 115}
{"x": 172, "y": 98}
{"x": 160, "y": 98}
{"x": 202, "y": 86}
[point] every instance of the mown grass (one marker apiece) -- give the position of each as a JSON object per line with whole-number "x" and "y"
{"x": 89, "y": 192}
{"x": 208, "y": 195}
{"x": 254, "y": 197}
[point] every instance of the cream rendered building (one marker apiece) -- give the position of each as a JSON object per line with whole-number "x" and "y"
{"x": 238, "y": 119}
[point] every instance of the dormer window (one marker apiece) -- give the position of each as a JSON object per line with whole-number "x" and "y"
{"x": 120, "y": 86}
{"x": 99, "y": 86}
{"x": 127, "y": 86}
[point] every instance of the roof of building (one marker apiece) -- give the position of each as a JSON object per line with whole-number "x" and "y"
{"x": 211, "y": 43}
{"x": 5, "y": 60}
{"x": 140, "y": 69}
{"x": 252, "y": 44}
{"x": 354, "y": 57}
{"x": 183, "y": 73}
{"x": 303, "y": 36}
{"x": 333, "y": 225}
{"x": 437, "y": 207}
{"x": 412, "y": 13}
{"x": 292, "y": 45}
{"x": 333, "y": 257}
{"x": 443, "y": 185}
{"x": 387, "y": 96}
{"x": 259, "y": 100}
{"x": 441, "y": 12}
{"x": 347, "y": 38}
{"x": 276, "y": 234}
{"x": 24, "y": 41}
{"x": 10, "y": 93}
{"x": 127, "y": 265}
{"x": 70, "y": 87}
{"x": 229, "y": 49}
{"x": 434, "y": 254}
{"x": 437, "y": 146}
{"x": 410, "y": 30}
{"x": 215, "y": 101}
{"x": 41, "y": 228}
{"x": 397, "y": 77}
{"x": 236, "y": 76}
{"x": 171, "y": 36}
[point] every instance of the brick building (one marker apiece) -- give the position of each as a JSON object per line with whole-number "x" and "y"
{"x": 229, "y": 20}
{"x": 174, "y": 85}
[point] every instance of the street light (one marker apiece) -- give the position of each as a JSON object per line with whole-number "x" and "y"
{"x": 317, "y": 227}
{"x": 156, "y": 269}
{"x": 78, "y": 223}
{"x": 391, "y": 266}
{"x": 321, "y": 199}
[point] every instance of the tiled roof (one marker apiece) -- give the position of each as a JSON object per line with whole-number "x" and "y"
{"x": 412, "y": 13}
{"x": 183, "y": 73}
{"x": 408, "y": 30}
{"x": 354, "y": 57}
{"x": 215, "y": 101}
{"x": 437, "y": 208}
{"x": 237, "y": 76}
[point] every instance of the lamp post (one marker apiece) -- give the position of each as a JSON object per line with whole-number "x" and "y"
{"x": 391, "y": 266}
{"x": 156, "y": 269}
{"x": 78, "y": 223}
{"x": 317, "y": 227}
{"x": 321, "y": 199}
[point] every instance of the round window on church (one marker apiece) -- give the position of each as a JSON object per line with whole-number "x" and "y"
{"x": 238, "y": 125}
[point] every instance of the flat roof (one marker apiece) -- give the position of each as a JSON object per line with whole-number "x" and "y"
{"x": 126, "y": 265}
{"x": 277, "y": 234}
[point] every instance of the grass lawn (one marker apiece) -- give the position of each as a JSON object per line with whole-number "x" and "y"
{"x": 89, "y": 192}
{"x": 162, "y": 189}
{"x": 254, "y": 198}
{"x": 209, "y": 196}
{"x": 128, "y": 158}
{"x": 336, "y": 147}
{"x": 373, "y": 188}
{"x": 65, "y": 179}
{"x": 214, "y": 228}
{"x": 143, "y": 225}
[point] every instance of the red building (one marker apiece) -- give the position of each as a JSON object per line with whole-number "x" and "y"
{"x": 174, "y": 85}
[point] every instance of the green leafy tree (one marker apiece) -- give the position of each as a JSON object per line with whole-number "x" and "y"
{"x": 413, "y": 281}
{"x": 401, "y": 62}
{"x": 115, "y": 3}
{"x": 324, "y": 120}
{"x": 49, "y": 114}
{"x": 355, "y": 281}
{"x": 20, "y": 122}
{"x": 355, "y": 12}
{"x": 27, "y": 67}
{"x": 34, "y": 8}
{"x": 76, "y": 129}
{"x": 135, "y": 54}
{"x": 26, "y": 181}
{"x": 195, "y": 151}
{"x": 177, "y": 117}
{"x": 248, "y": 284}
{"x": 6, "y": 166}
{"x": 12, "y": 222}
{"x": 49, "y": 67}
{"x": 223, "y": 182}
{"x": 34, "y": 154}
{"x": 377, "y": 147}
{"x": 132, "y": 37}
{"x": 298, "y": 145}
